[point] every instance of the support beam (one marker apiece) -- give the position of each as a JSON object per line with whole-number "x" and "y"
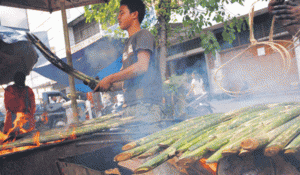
{"x": 70, "y": 63}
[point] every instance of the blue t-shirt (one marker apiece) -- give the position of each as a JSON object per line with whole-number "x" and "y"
{"x": 148, "y": 86}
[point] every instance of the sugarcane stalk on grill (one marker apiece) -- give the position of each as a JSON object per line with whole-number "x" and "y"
{"x": 283, "y": 139}
{"x": 60, "y": 134}
{"x": 60, "y": 64}
{"x": 189, "y": 157}
{"x": 240, "y": 119}
{"x": 262, "y": 140}
{"x": 198, "y": 141}
{"x": 165, "y": 139}
{"x": 293, "y": 147}
{"x": 143, "y": 148}
{"x": 235, "y": 127}
{"x": 171, "y": 151}
{"x": 190, "y": 122}
{"x": 101, "y": 119}
{"x": 276, "y": 121}
{"x": 136, "y": 151}
{"x": 180, "y": 126}
{"x": 167, "y": 143}
{"x": 233, "y": 147}
{"x": 150, "y": 152}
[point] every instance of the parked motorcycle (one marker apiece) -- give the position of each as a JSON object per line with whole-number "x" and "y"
{"x": 185, "y": 107}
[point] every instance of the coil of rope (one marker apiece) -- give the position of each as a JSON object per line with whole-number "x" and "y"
{"x": 282, "y": 47}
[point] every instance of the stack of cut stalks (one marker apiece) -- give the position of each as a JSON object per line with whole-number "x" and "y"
{"x": 88, "y": 127}
{"x": 271, "y": 127}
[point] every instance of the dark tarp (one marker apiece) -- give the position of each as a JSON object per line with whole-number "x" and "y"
{"x": 16, "y": 54}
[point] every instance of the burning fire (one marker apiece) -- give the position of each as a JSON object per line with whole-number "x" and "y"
{"x": 36, "y": 139}
{"x": 212, "y": 167}
{"x": 45, "y": 117}
{"x": 19, "y": 122}
{"x": 73, "y": 135}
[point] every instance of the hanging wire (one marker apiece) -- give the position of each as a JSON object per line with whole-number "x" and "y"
{"x": 274, "y": 45}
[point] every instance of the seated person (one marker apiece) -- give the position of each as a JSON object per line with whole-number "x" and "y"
{"x": 60, "y": 100}
{"x": 197, "y": 88}
{"x": 53, "y": 99}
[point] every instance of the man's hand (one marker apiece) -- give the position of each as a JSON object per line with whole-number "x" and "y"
{"x": 104, "y": 85}
{"x": 92, "y": 84}
{"x": 273, "y": 3}
{"x": 289, "y": 11}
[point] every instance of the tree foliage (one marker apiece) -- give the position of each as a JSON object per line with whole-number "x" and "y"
{"x": 196, "y": 16}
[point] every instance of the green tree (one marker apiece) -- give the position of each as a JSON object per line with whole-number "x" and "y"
{"x": 197, "y": 15}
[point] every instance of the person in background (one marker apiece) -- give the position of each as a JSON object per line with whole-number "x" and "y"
{"x": 140, "y": 76}
{"x": 118, "y": 102}
{"x": 53, "y": 100}
{"x": 197, "y": 87}
{"x": 60, "y": 99}
{"x": 19, "y": 98}
{"x": 88, "y": 106}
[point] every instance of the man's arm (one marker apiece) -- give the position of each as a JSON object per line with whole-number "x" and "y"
{"x": 138, "y": 68}
{"x": 117, "y": 86}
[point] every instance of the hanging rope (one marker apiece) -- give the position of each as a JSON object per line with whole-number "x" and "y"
{"x": 274, "y": 45}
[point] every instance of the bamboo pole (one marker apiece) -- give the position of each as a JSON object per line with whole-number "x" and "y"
{"x": 70, "y": 63}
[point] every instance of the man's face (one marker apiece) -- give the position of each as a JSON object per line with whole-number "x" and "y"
{"x": 125, "y": 18}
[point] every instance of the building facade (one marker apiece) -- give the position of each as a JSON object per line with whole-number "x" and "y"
{"x": 254, "y": 69}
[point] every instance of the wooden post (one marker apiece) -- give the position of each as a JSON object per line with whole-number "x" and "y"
{"x": 70, "y": 63}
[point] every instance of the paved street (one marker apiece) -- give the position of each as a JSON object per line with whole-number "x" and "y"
{"x": 239, "y": 102}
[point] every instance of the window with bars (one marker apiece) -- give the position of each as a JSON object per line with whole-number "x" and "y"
{"x": 83, "y": 30}
{"x": 184, "y": 46}
{"x": 262, "y": 25}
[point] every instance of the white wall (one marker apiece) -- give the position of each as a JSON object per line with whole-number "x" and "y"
{"x": 52, "y": 23}
{"x": 13, "y": 17}
{"x": 40, "y": 21}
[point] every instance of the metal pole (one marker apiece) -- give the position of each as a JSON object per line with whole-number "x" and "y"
{"x": 70, "y": 63}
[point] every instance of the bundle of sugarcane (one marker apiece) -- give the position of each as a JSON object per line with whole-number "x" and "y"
{"x": 94, "y": 125}
{"x": 273, "y": 127}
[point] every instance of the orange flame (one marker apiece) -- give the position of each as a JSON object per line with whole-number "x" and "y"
{"x": 17, "y": 149}
{"x": 73, "y": 135}
{"x": 45, "y": 117}
{"x": 211, "y": 167}
{"x": 56, "y": 141}
{"x": 36, "y": 139}
{"x": 20, "y": 120}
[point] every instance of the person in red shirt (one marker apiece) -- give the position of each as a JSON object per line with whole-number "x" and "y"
{"x": 19, "y": 98}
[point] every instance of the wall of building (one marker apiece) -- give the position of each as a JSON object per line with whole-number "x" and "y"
{"x": 52, "y": 23}
{"x": 268, "y": 72}
{"x": 258, "y": 69}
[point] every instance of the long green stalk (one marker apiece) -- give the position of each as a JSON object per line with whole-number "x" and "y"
{"x": 293, "y": 147}
{"x": 283, "y": 139}
{"x": 263, "y": 139}
{"x": 185, "y": 125}
{"x": 171, "y": 151}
